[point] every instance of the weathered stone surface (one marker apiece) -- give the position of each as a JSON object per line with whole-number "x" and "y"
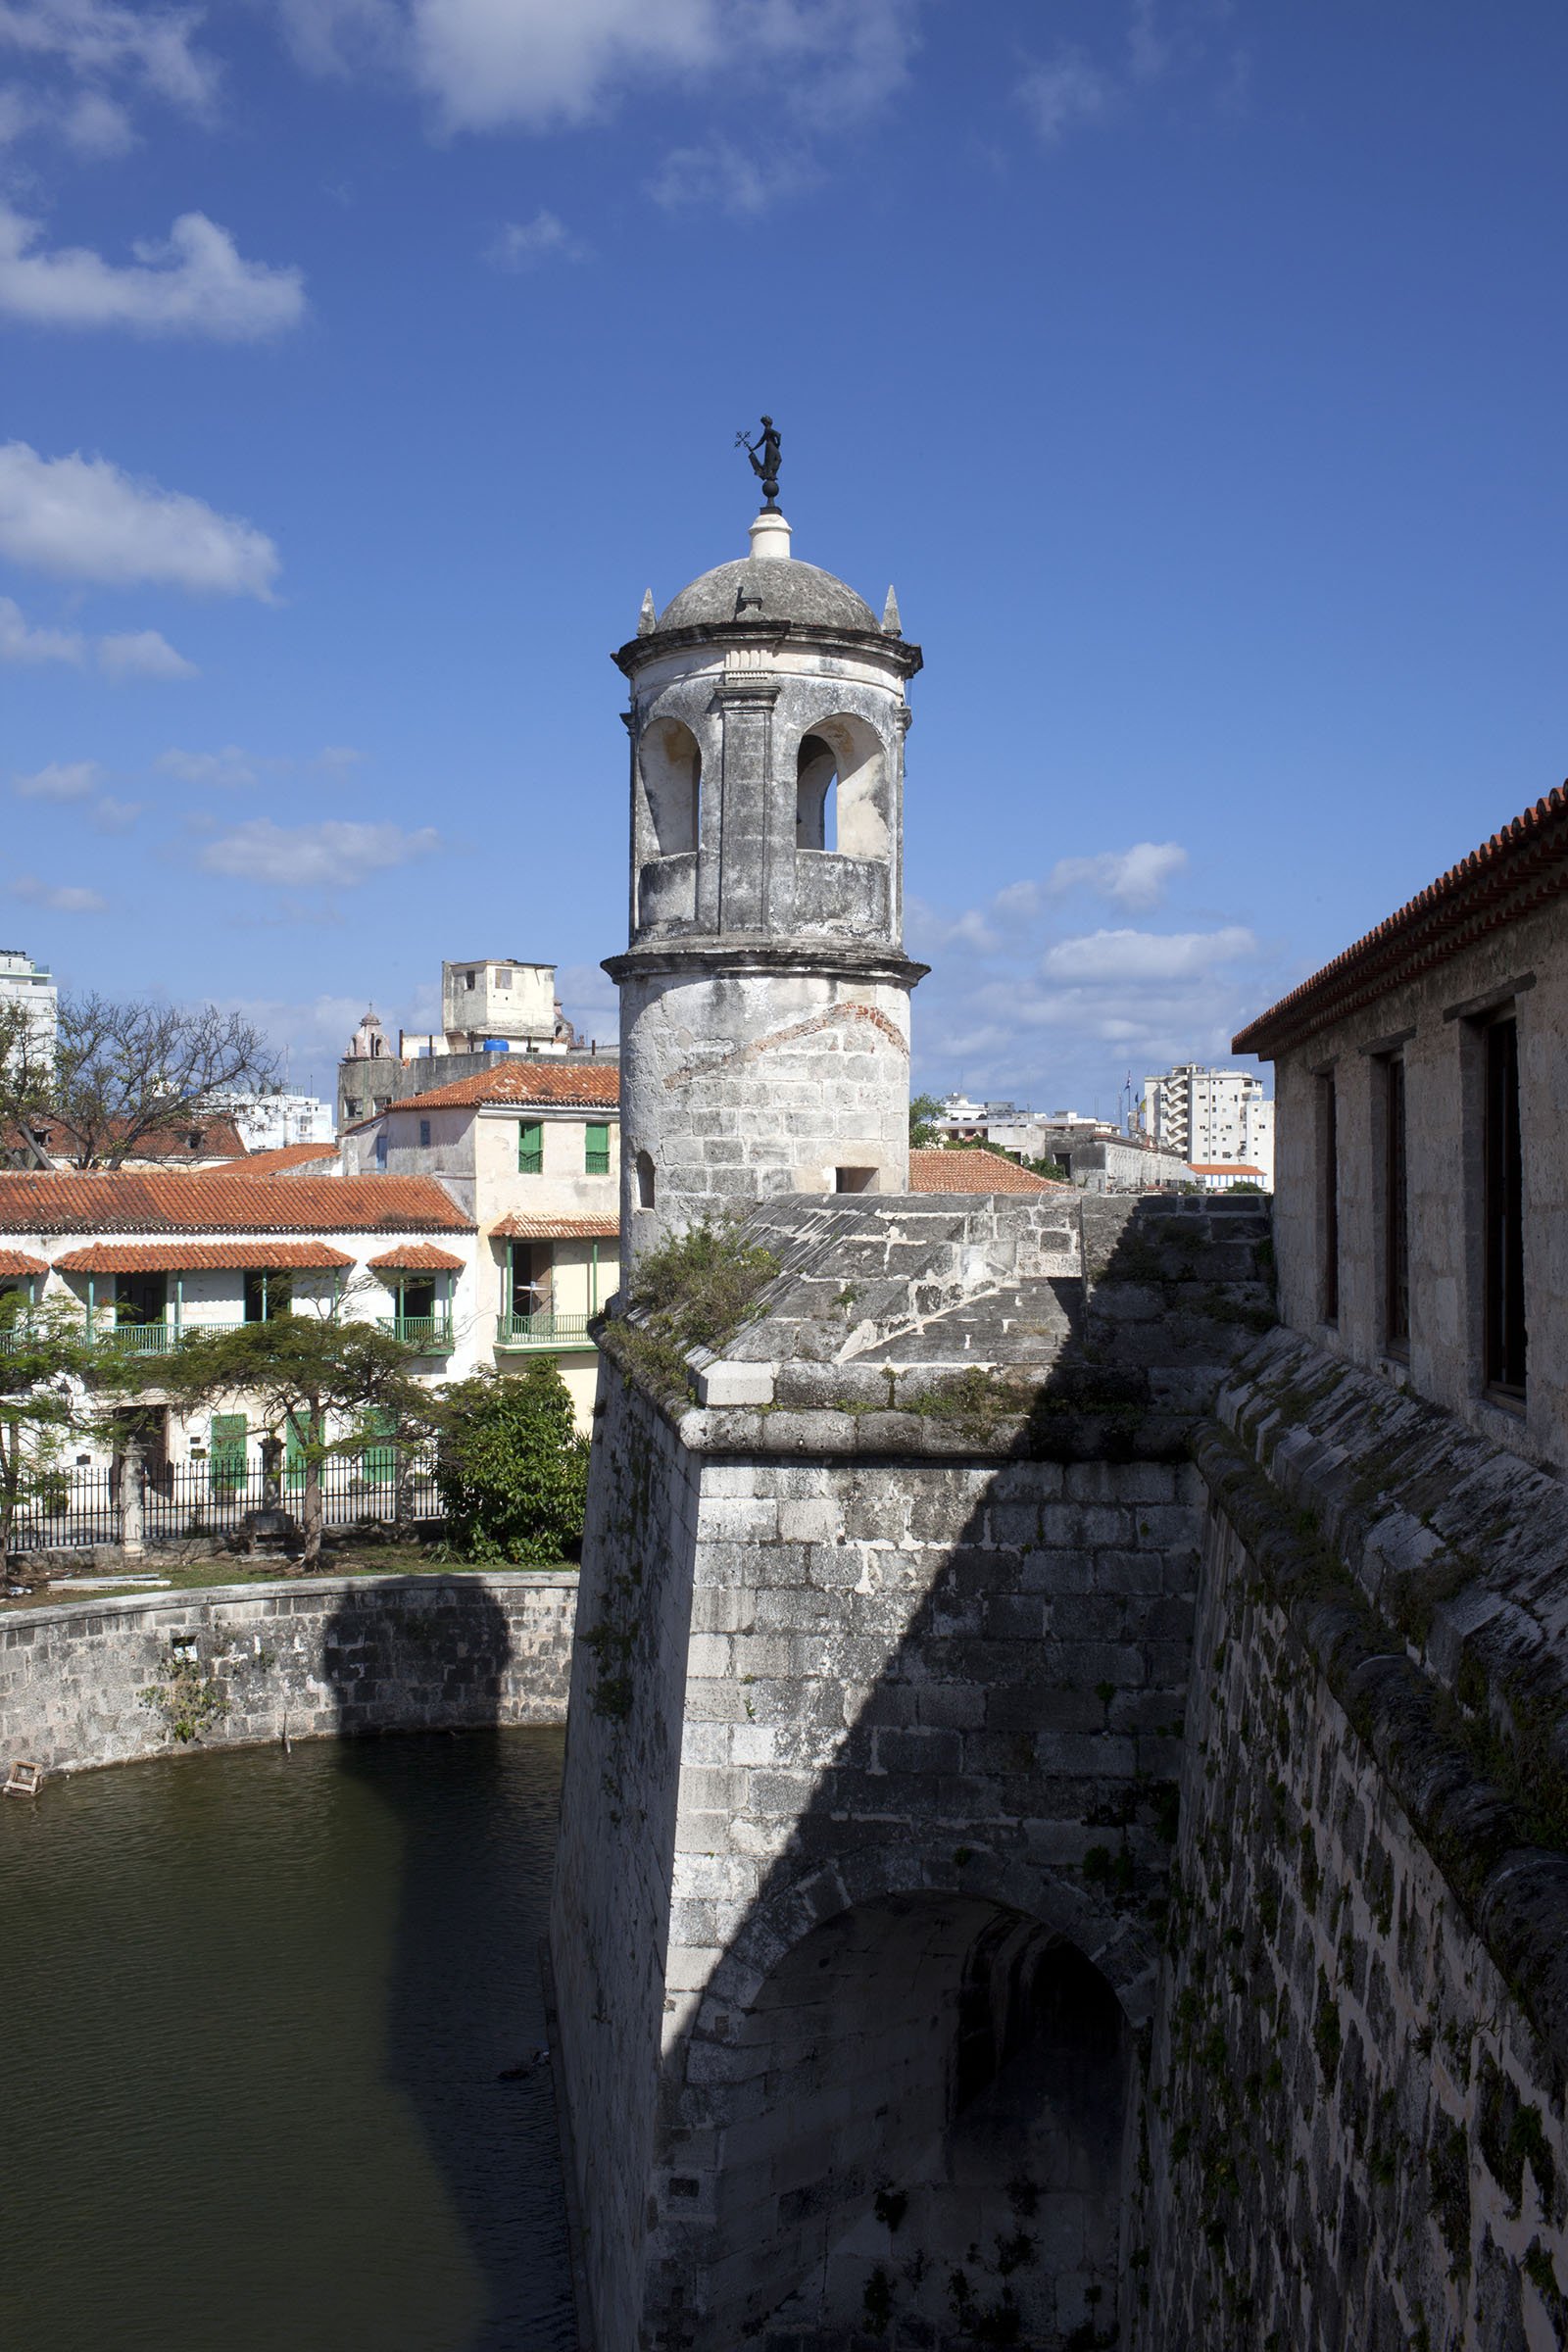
{"x": 99, "y": 1682}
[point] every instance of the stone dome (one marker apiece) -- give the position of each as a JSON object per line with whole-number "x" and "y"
{"x": 768, "y": 588}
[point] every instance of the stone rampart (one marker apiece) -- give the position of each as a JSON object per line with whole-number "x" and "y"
{"x": 1355, "y": 2127}
{"x": 878, "y": 1688}
{"x": 105, "y": 1681}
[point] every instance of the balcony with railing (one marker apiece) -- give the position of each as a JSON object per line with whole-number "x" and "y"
{"x": 542, "y": 1329}
{"x": 426, "y": 1335}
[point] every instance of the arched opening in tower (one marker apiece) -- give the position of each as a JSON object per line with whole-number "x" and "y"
{"x": 922, "y": 2125}
{"x": 672, "y": 762}
{"x": 645, "y": 1179}
{"x": 816, "y": 773}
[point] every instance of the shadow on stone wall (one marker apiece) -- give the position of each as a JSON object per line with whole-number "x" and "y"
{"x": 465, "y": 2022}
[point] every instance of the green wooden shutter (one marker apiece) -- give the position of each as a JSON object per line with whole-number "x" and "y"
{"x": 379, "y": 1463}
{"x": 530, "y": 1148}
{"x": 293, "y": 1453}
{"x": 596, "y": 1147}
{"x": 225, "y": 1458}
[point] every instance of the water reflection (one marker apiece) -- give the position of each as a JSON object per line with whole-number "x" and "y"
{"x": 257, "y": 2013}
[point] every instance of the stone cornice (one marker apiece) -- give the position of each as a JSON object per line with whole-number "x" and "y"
{"x": 839, "y": 959}
{"x": 893, "y": 653}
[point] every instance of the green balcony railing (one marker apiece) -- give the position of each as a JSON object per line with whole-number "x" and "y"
{"x": 126, "y": 1339}
{"x": 542, "y": 1331}
{"x": 431, "y": 1335}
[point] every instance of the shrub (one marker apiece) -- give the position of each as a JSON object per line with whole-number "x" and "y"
{"x": 511, "y": 1472}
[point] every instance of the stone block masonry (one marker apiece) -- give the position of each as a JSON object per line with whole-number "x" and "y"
{"x": 89, "y": 1683}
{"x": 1355, "y": 2131}
{"x": 879, "y": 1685}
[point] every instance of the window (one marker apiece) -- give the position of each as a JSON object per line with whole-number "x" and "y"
{"x": 469, "y": 979}
{"x": 1395, "y": 1212}
{"x": 1328, "y": 1133}
{"x": 854, "y": 1179}
{"x": 530, "y": 1148}
{"x": 267, "y": 1295}
{"x": 596, "y": 1147}
{"x": 417, "y": 1299}
{"x": 381, "y": 1147}
{"x": 504, "y": 976}
{"x": 645, "y": 1181}
{"x": 140, "y": 1298}
{"x": 424, "y": 1134}
{"x": 1504, "y": 1213}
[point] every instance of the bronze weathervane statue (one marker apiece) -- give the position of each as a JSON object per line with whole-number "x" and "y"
{"x": 765, "y": 466}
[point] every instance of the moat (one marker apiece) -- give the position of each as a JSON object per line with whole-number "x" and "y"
{"x": 271, "y": 2033}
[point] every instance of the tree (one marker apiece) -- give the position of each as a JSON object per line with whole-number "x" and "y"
{"x": 120, "y": 1072}
{"x": 46, "y": 1372}
{"x": 512, "y": 1470}
{"x": 300, "y": 1372}
{"x": 924, "y": 1111}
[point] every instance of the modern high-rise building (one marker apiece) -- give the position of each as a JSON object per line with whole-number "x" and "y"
{"x": 28, "y": 985}
{"x": 1211, "y": 1118}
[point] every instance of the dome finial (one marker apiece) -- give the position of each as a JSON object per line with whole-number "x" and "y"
{"x": 647, "y": 617}
{"x": 770, "y": 535}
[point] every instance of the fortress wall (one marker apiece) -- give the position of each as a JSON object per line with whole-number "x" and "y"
{"x": 610, "y": 1913}
{"x": 1356, "y": 2128}
{"x": 314, "y": 1657}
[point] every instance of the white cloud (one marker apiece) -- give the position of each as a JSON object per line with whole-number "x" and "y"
{"x": 83, "y": 518}
{"x": 1122, "y": 957}
{"x": 732, "y": 179}
{"x": 60, "y": 780}
{"x": 1137, "y": 877}
{"x": 194, "y": 284}
{"x": 57, "y": 898}
{"x": 97, "y": 126}
{"x": 224, "y": 771}
{"x": 492, "y": 65}
{"x": 335, "y": 854}
{"x": 21, "y": 643}
{"x": 1068, "y": 91}
{"x": 233, "y": 769}
{"x": 115, "y": 817}
{"x": 142, "y": 653}
{"x": 98, "y": 39}
{"x": 525, "y": 244}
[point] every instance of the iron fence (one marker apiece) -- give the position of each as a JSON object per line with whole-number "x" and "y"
{"x": 186, "y": 1500}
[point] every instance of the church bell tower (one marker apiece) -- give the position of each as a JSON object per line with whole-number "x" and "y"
{"x": 765, "y": 992}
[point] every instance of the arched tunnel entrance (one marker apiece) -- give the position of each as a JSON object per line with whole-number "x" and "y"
{"x": 920, "y": 2127}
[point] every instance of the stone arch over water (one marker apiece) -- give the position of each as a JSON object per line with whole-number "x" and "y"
{"x": 908, "y": 2104}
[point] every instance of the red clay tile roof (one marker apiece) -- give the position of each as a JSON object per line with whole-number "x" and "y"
{"x": 181, "y": 1202}
{"x": 418, "y": 1257}
{"x": 17, "y": 1261}
{"x": 524, "y": 1078}
{"x": 278, "y": 1162}
{"x": 1511, "y": 875}
{"x": 935, "y": 1171}
{"x": 522, "y": 1226}
{"x": 185, "y": 1257}
{"x": 1223, "y": 1168}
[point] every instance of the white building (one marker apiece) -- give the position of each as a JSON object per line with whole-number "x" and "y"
{"x": 144, "y": 1258}
{"x": 27, "y": 984}
{"x": 1216, "y": 1118}
{"x": 273, "y": 1119}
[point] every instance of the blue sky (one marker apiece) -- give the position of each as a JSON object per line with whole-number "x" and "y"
{"x": 1194, "y": 368}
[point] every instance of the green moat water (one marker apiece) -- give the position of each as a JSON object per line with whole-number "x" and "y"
{"x": 257, "y": 2013}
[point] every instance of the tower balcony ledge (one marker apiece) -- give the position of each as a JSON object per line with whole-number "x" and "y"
{"x": 766, "y": 951}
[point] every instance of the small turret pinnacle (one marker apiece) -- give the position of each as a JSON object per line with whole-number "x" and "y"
{"x": 646, "y": 617}
{"x": 892, "y": 626}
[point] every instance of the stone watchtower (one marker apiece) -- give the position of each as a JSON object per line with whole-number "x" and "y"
{"x": 764, "y": 993}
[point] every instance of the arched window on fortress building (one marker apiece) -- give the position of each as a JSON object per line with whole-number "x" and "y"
{"x": 672, "y": 781}
{"x": 840, "y": 789}
{"x": 645, "y": 1181}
